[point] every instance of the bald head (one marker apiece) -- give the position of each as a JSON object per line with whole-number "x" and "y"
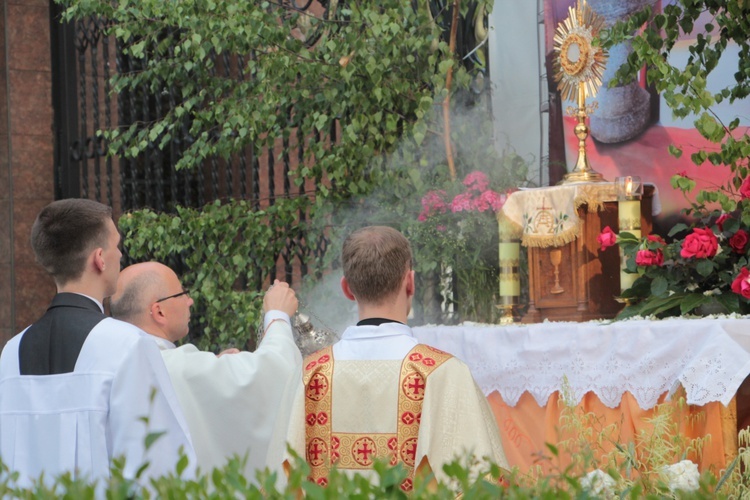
{"x": 146, "y": 298}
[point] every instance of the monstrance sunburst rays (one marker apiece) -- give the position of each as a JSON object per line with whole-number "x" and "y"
{"x": 578, "y": 61}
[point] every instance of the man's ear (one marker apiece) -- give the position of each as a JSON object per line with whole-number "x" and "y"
{"x": 410, "y": 283}
{"x": 156, "y": 313}
{"x": 99, "y": 259}
{"x": 347, "y": 291}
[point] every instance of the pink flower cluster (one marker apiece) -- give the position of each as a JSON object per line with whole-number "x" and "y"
{"x": 476, "y": 198}
{"x": 476, "y": 181}
{"x": 432, "y": 203}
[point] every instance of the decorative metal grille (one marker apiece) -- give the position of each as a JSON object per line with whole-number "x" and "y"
{"x": 84, "y": 60}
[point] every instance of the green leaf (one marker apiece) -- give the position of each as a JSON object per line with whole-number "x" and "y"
{"x": 692, "y": 301}
{"x": 659, "y": 286}
{"x": 705, "y": 267}
{"x": 679, "y": 227}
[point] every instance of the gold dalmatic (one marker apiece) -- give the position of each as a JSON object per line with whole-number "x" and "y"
{"x": 325, "y": 448}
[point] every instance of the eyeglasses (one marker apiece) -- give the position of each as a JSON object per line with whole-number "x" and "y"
{"x": 184, "y": 291}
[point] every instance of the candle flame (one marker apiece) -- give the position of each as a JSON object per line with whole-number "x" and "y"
{"x": 629, "y": 186}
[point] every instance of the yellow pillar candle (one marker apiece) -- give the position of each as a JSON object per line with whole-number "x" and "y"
{"x": 510, "y": 278}
{"x": 629, "y": 215}
{"x": 627, "y": 279}
{"x": 629, "y": 192}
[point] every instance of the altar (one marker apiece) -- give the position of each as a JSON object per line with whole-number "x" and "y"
{"x": 619, "y": 371}
{"x": 569, "y": 278}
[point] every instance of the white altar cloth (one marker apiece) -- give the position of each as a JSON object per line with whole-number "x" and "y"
{"x": 709, "y": 357}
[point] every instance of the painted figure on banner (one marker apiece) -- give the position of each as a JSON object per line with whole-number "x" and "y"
{"x": 633, "y": 126}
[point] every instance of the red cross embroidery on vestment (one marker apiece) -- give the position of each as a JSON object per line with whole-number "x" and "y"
{"x": 362, "y": 449}
{"x": 318, "y": 387}
{"x": 413, "y": 386}
{"x": 409, "y": 451}
{"x": 315, "y": 451}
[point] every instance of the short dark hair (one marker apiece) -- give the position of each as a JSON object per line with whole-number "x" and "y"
{"x": 65, "y": 232}
{"x": 375, "y": 260}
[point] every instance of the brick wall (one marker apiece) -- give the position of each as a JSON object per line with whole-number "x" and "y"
{"x": 26, "y": 158}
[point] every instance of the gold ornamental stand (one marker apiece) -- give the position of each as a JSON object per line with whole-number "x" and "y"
{"x": 582, "y": 171}
{"x": 578, "y": 72}
{"x": 508, "y": 306}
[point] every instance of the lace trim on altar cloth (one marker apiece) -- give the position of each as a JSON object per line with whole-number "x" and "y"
{"x": 710, "y": 358}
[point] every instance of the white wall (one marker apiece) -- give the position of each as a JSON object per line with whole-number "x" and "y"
{"x": 516, "y": 50}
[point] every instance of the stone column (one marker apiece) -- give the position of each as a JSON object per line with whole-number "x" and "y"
{"x": 624, "y": 111}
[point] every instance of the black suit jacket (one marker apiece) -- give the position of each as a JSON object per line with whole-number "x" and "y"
{"x": 53, "y": 343}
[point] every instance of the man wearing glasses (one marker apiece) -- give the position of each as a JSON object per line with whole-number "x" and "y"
{"x": 75, "y": 386}
{"x": 233, "y": 402}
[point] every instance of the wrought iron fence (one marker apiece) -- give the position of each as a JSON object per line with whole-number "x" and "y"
{"x": 84, "y": 61}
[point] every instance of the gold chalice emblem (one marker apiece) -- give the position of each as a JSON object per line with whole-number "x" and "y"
{"x": 555, "y": 257}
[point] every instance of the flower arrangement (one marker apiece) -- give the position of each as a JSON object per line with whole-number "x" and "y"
{"x": 458, "y": 229}
{"x": 704, "y": 268}
{"x": 477, "y": 197}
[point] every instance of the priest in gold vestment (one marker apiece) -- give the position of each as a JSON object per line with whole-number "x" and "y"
{"x": 378, "y": 393}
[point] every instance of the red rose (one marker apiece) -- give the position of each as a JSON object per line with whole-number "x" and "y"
{"x": 649, "y": 258}
{"x": 720, "y": 221}
{"x": 606, "y": 238}
{"x": 745, "y": 188}
{"x": 701, "y": 244}
{"x": 656, "y": 239}
{"x": 738, "y": 241}
{"x": 741, "y": 284}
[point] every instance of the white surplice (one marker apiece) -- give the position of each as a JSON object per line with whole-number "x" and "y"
{"x": 79, "y": 421}
{"x": 232, "y": 403}
{"x": 456, "y": 419}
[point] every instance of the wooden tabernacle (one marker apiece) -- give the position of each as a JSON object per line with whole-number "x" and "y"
{"x": 587, "y": 280}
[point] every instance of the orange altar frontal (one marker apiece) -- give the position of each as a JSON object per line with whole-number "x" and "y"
{"x": 569, "y": 279}
{"x": 620, "y": 373}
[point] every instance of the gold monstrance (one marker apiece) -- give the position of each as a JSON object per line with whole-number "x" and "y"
{"x": 579, "y": 66}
